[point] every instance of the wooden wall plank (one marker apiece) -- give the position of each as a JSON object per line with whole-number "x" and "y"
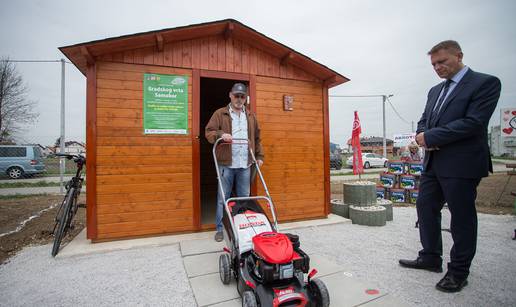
{"x": 129, "y": 56}
{"x": 111, "y": 232}
{"x": 187, "y": 54}
{"x": 167, "y": 54}
{"x": 196, "y": 53}
{"x": 149, "y": 166}
{"x": 293, "y": 162}
{"x": 144, "y": 216}
{"x": 230, "y": 65}
{"x": 196, "y": 149}
{"x": 91, "y": 149}
{"x": 212, "y": 53}
{"x": 143, "y": 197}
{"x": 205, "y": 53}
{"x": 156, "y": 205}
{"x": 237, "y": 55}
{"x": 253, "y": 61}
{"x": 221, "y": 54}
{"x": 326, "y": 135}
{"x": 215, "y": 53}
{"x": 148, "y": 55}
{"x": 245, "y": 58}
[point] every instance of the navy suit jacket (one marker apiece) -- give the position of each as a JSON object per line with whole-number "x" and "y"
{"x": 460, "y": 128}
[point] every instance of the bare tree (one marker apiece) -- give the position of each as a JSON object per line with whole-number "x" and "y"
{"x": 16, "y": 110}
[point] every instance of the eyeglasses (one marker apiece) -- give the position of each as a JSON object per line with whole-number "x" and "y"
{"x": 239, "y": 96}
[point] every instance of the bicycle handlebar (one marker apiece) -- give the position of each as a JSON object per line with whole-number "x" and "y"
{"x": 76, "y": 158}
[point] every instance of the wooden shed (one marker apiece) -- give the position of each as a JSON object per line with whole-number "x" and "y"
{"x": 144, "y": 181}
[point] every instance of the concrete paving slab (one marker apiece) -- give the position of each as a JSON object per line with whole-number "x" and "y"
{"x": 323, "y": 266}
{"x": 385, "y": 301}
{"x": 203, "y": 264}
{"x": 209, "y": 290}
{"x": 347, "y": 291}
{"x": 232, "y": 303}
{"x": 82, "y": 246}
{"x": 197, "y": 247}
{"x": 204, "y": 242}
{"x": 332, "y": 219}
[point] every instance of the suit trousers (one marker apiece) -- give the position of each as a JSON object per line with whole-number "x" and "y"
{"x": 460, "y": 195}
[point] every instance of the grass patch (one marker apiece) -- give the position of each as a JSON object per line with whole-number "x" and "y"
{"x": 56, "y": 172}
{"x": 21, "y": 196}
{"x": 503, "y": 158}
{"x": 342, "y": 174}
{"x": 41, "y": 183}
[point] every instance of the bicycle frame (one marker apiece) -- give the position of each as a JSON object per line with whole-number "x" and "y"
{"x": 226, "y": 201}
{"x": 69, "y": 206}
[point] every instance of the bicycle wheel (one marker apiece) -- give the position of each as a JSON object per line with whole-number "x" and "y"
{"x": 63, "y": 221}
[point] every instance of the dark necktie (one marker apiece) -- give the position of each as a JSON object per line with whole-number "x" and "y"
{"x": 439, "y": 104}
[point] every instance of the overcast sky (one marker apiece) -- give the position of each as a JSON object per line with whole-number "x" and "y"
{"x": 380, "y": 45}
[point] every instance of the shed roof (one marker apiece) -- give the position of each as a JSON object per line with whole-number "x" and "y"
{"x": 83, "y": 53}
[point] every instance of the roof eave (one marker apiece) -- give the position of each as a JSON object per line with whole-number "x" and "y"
{"x": 83, "y": 54}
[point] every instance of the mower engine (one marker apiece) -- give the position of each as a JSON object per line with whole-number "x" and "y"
{"x": 277, "y": 256}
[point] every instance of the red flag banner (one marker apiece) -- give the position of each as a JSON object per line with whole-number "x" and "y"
{"x": 358, "y": 166}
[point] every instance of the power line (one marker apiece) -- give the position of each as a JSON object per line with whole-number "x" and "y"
{"x": 35, "y": 61}
{"x": 395, "y": 111}
{"x": 346, "y": 96}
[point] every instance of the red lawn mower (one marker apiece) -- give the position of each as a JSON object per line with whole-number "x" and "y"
{"x": 269, "y": 266}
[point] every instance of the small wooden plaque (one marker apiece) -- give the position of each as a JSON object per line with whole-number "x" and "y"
{"x": 288, "y": 103}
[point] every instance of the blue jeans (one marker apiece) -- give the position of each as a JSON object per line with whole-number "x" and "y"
{"x": 240, "y": 177}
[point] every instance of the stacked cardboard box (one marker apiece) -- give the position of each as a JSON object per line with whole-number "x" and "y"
{"x": 400, "y": 184}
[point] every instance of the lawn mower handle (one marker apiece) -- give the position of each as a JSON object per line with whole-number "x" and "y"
{"x": 237, "y": 141}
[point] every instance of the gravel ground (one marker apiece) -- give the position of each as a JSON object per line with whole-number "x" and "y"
{"x": 371, "y": 254}
{"x": 152, "y": 276}
{"x": 156, "y": 276}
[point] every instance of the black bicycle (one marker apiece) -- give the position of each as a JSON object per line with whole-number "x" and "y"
{"x": 69, "y": 206}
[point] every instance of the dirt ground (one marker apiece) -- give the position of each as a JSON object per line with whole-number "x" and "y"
{"x": 38, "y": 230}
{"x": 493, "y": 198}
{"x": 493, "y": 194}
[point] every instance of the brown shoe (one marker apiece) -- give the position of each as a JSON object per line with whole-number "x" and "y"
{"x": 219, "y": 236}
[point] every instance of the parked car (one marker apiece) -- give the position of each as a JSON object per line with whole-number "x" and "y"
{"x": 17, "y": 161}
{"x": 335, "y": 161}
{"x": 370, "y": 160}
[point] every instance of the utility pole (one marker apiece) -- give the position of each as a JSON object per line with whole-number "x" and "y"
{"x": 384, "y": 98}
{"x": 62, "y": 162}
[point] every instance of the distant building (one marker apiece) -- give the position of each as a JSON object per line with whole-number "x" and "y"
{"x": 373, "y": 144}
{"x": 335, "y": 148}
{"x": 501, "y": 146}
{"x": 72, "y": 147}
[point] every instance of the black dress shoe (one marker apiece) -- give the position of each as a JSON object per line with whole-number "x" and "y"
{"x": 420, "y": 264}
{"x": 451, "y": 283}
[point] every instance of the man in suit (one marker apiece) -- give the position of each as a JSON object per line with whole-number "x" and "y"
{"x": 453, "y": 131}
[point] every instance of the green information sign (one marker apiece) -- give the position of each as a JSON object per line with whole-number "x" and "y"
{"x": 165, "y": 104}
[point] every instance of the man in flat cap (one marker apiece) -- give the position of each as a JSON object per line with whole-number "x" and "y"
{"x": 234, "y": 121}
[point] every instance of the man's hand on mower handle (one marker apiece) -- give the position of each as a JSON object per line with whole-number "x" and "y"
{"x": 260, "y": 163}
{"x": 226, "y": 137}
